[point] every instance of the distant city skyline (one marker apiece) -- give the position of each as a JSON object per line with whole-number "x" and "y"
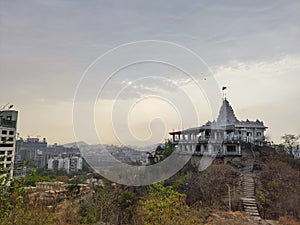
{"x": 252, "y": 47}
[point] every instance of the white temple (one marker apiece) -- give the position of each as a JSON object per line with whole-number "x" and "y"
{"x": 223, "y": 137}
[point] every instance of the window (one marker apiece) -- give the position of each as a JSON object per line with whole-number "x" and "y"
{"x": 4, "y": 131}
{"x": 8, "y": 117}
{"x": 9, "y": 152}
{"x": 6, "y": 145}
{"x": 11, "y": 132}
{"x": 8, "y": 159}
{"x": 2, "y": 152}
{"x": 231, "y": 148}
{"x": 10, "y": 139}
{"x": 258, "y": 134}
{"x": 3, "y": 139}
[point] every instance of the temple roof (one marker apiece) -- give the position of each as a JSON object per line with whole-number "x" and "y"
{"x": 226, "y": 114}
{"x": 226, "y": 120}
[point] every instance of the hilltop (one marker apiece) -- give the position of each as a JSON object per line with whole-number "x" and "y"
{"x": 277, "y": 187}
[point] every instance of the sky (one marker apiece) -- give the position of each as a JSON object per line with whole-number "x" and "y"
{"x": 84, "y": 70}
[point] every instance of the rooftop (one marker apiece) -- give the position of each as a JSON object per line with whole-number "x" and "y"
{"x": 226, "y": 120}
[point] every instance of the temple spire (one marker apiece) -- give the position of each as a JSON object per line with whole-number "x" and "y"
{"x": 226, "y": 113}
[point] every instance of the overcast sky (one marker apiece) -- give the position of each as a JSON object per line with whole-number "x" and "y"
{"x": 252, "y": 47}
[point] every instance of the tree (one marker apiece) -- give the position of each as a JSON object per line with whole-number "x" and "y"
{"x": 12, "y": 195}
{"x": 101, "y": 206}
{"x": 263, "y": 201}
{"x": 164, "y": 205}
{"x": 127, "y": 203}
{"x": 164, "y": 152}
{"x": 33, "y": 177}
{"x": 290, "y": 142}
{"x": 14, "y": 209}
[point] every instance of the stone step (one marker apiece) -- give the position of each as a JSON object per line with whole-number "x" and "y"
{"x": 250, "y": 207}
{"x": 248, "y": 199}
{"x": 251, "y": 210}
{"x": 253, "y": 213}
{"x": 249, "y": 203}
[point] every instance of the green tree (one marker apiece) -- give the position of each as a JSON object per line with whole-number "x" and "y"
{"x": 33, "y": 177}
{"x": 164, "y": 205}
{"x": 127, "y": 203}
{"x": 263, "y": 201}
{"x": 14, "y": 207}
{"x": 164, "y": 152}
{"x": 12, "y": 195}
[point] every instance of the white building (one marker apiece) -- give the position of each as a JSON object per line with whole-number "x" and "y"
{"x": 223, "y": 137}
{"x": 8, "y": 126}
{"x": 75, "y": 164}
{"x": 72, "y": 164}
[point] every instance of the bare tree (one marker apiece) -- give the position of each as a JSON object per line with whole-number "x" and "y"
{"x": 291, "y": 143}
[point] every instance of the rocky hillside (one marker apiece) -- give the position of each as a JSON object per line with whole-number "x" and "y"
{"x": 276, "y": 179}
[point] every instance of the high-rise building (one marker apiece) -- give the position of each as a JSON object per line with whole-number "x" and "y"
{"x": 8, "y": 130}
{"x": 32, "y": 150}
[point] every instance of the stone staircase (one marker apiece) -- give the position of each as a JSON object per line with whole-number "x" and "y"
{"x": 248, "y": 185}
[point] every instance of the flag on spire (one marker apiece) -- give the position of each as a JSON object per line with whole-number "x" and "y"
{"x": 224, "y": 88}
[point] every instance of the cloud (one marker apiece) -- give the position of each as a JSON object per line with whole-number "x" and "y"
{"x": 45, "y": 46}
{"x": 266, "y": 90}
